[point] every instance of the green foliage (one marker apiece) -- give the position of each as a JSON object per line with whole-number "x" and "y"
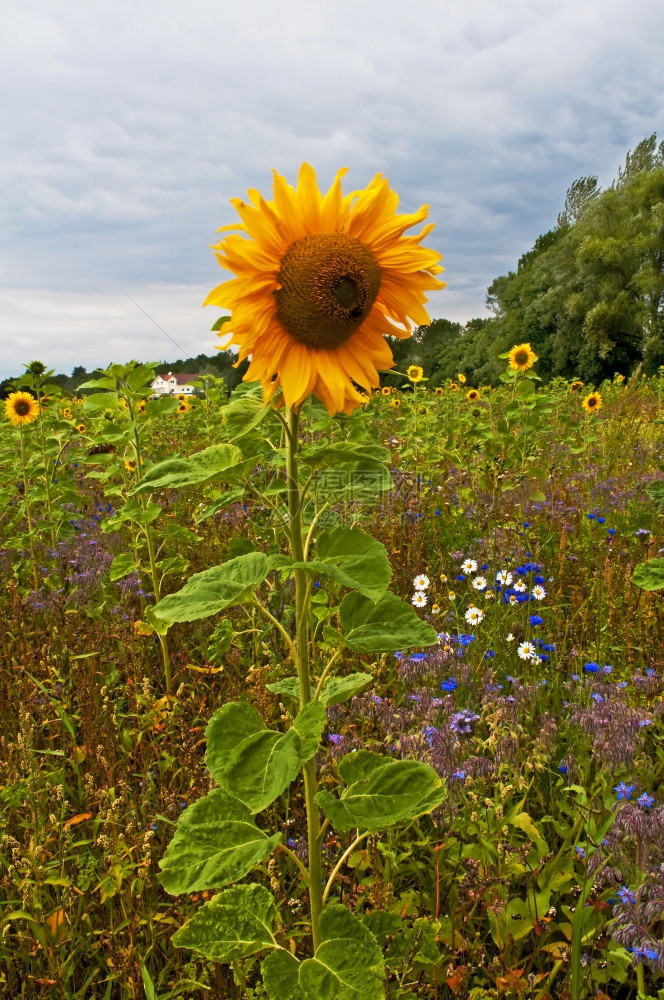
{"x": 347, "y": 965}
{"x": 383, "y": 626}
{"x": 215, "y": 842}
{"x": 215, "y": 589}
{"x": 236, "y": 923}
{"x": 381, "y": 792}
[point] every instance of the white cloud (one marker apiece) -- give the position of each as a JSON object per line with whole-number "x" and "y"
{"x": 129, "y": 126}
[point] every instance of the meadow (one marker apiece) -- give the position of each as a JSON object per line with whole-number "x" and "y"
{"x": 513, "y": 669}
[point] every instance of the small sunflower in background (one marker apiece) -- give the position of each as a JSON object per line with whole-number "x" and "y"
{"x": 473, "y": 395}
{"x": 80, "y": 428}
{"x": 592, "y": 403}
{"x": 521, "y": 358}
{"x": 453, "y": 386}
{"x": 318, "y": 284}
{"x": 141, "y": 406}
{"x": 66, "y": 413}
{"x": 439, "y": 391}
{"x": 130, "y": 464}
{"x": 414, "y": 373}
{"x": 183, "y": 407}
{"x": 182, "y": 396}
{"x": 461, "y": 378}
{"x": 575, "y": 385}
{"x": 386, "y": 391}
{"x": 21, "y": 408}
{"x": 396, "y": 403}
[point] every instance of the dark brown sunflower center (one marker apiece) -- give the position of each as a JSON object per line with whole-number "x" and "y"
{"x": 328, "y": 284}
{"x": 21, "y": 408}
{"x": 521, "y": 357}
{"x": 592, "y": 401}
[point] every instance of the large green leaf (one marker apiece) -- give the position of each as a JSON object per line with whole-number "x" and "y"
{"x": 346, "y": 452}
{"x": 132, "y": 511}
{"x": 649, "y": 575}
{"x": 236, "y": 923}
{"x": 338, "y": 689}
{"x": 215, "y": 842}
{"x": 122, "y": 565}
{"x": 256, "y": 764}
{"x": 347, "y": 965}
{"x": 289, "y": 686}
{"x": 198, "y": 468}
{"x": 241, "y": 415}
{"x": 228, "y": 727}
{"x": 207, "y": 593}
{"x": 352, "y": 558}
{"x": 383, "y": 626}
{"x": 381, "y": 792}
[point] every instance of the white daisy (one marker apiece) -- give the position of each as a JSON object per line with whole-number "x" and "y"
{"x": 489, "y": 595}
{"x": 473, "y": 615}
{"x": 509, "y": 638}
{"x": 443, "y": 578}
{"x": 479, "y": 583}
{"x": 526, "y": 651}
{"x": 513, "y": 599}
{"x": 520, "y": 587}
{"x": 469, "y": 566}
{"x": 421, "y": 582}
{"x": 419, "y": 599}
{"x": 435, "y": 609}
{"x": 451, "y": 596}
{"x": 539, "y": 593}
{"x": 504, "y": 577}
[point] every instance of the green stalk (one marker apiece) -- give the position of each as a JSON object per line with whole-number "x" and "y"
{"x": 302, "y": 607}
{"x": 28, "y": 515}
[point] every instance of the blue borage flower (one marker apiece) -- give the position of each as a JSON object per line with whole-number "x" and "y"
{"x": 626, "y": 896}
{"x": 449, "y": 685}
{"x": 624, "y": 791}
{"x": 580, "y": 852}
{"x": 458, "y": 776}
{"x": 645, "y": 801}
{"x": 462, "y": 722}
{"x": 642, "y": 952}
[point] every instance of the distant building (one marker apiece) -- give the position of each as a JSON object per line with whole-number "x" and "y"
{"x": 172, "y": 384}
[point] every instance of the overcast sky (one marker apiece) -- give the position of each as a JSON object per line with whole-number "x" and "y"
{"x": 125, "y": 127}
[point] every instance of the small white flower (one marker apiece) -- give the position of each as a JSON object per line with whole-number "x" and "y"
{"x": 435, "y": 609}
{"x": 479, "y": 583}
{"x": 421, "y": 582}
{"x": 443, "y": 578}
{"x": 469, "y": 566}
{"x": 473, "y": 615}
{"x": 504, "y": 577}
{"x": 536, "y": 659}
{"x": 539, "y": 593}
{"x": 526, "y": 651}
{"x": 520, "y": 587}
{"x": 489, "y": 595}
{"x": 510, "y": 638}
{"x": 513, "y": 599}
{"x": 451, "y": 596}
{"x": 419, "y": 599}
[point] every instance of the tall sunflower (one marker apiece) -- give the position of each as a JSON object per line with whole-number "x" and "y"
{"x": 21, "y": 408}
{"x": 321, "y": 280}
{"x": 414, "y": 373}
{"x": 592, "y": 403}
{"x": 521, "y": 357}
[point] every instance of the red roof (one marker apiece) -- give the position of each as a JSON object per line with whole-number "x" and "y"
{"x": 182, "y": 378}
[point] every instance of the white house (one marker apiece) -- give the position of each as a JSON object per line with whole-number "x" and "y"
{"x": 173, "y": 384}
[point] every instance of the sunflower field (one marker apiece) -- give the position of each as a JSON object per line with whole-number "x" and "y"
{"x": 327, "y": 688}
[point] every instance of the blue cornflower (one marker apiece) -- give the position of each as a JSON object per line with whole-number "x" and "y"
{"x": 645, "y": 800}
{"x": 611, "y": 531}
{"x": 489, "y": 655}
{"x": 591, "y": 668}
{"x": 437, "y": 513}
{"x": 562, "y": 768}
{"x": 316, "y": 584}
{"x": 460, "y": 577}
{"x": 591, "y": 517}
{"x": 601, "y": 520}
{"x": 526, "y": 524}
{"x": 539, "y": 579}
{"x": 449, "y": 685}
{"x": 624, "y": 791}
{"x": 580, "y": 851}
{"x": 465, "y": 639}
{"x": 536, "y": 620}
{"x": 549, "y": 647}
{"x": 626, "y": 895}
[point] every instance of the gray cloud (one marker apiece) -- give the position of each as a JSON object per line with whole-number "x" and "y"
{"x": 129, "y": 126}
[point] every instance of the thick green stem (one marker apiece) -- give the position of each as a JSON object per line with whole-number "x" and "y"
{"x": 302, "y": 599}
{"x": 28, "y": 515}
